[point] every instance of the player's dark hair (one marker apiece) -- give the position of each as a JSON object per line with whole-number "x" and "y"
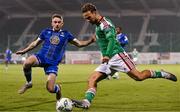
{"x": 119, "y": 27}
{"x": 88, "y": 7}
{"x": 57, "y": 15}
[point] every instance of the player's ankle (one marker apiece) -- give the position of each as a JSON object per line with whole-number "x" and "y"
{"x": 29, "y": 82}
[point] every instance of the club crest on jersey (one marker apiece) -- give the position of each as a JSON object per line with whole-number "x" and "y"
{"x": 54, "y": 40}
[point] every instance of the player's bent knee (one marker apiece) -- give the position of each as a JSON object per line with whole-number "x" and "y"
{"x": 27, "y": 64}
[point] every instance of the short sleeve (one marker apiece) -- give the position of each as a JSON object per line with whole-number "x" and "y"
{"x": 42, "y": 35}
{"x": 70, "y": 36}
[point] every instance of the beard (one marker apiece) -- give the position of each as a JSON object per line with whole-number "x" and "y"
{"x": 93, "y": 22}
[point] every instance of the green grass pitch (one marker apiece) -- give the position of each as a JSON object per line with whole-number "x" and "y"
{"x": 123, "y": 95}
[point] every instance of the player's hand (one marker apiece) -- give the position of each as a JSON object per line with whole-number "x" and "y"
{"x": 20, "y": 52}
{"x": 105, "y": 59}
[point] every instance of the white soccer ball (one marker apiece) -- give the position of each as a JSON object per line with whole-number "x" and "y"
{"x": 64, "y": 105}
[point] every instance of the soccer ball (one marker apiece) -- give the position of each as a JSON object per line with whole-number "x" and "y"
{"x": 64, "y": 105}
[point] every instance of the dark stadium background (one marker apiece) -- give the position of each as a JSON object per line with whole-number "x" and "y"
{"x": 22, "y": 20}
{"x": 152, "y": 26}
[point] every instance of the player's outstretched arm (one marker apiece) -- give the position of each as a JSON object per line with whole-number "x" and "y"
{"x": 80, "y": 43}
{"x": 30, "y": 46}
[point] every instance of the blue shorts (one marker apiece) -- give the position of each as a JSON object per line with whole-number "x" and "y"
{"x": 48, "y": 68}
{"x": 8, "y": 59}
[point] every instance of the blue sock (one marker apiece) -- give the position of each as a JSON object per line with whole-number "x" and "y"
{"x": 56, "y": 88}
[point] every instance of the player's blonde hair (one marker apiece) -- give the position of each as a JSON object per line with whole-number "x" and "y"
{"x": 58, "y": 16}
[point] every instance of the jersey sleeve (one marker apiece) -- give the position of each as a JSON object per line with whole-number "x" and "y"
{"x": 42, "y": 35}
{"x": 70, "y": 36}
{"x": 110, "y": 35}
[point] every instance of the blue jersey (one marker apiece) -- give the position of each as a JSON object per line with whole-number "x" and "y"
{"x": 8, "y": 54}
{"x": 122, "y": 38}
{"x": 53, "y": 48}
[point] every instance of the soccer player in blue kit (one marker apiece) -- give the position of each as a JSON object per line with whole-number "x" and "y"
{"x": 121, "y": 37}
{"x": 8, "y": 56}
{"x": 50, "y": 55}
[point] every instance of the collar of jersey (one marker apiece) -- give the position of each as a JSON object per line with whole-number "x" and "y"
{"x": 99, "y": 22}
{"x": 57, "y": 31}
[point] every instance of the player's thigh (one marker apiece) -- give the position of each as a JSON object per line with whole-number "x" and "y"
{"x": 31, "y": 60}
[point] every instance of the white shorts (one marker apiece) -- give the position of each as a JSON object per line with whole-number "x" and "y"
{"x": 120, "y": 62}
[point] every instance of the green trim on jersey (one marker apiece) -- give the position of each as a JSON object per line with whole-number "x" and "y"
{"x": 106, "y": 38}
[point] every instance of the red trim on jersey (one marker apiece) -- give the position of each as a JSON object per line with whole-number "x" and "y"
{"x": 106, "y": 25}
{"x": 130, "y": 61}
{"x": 127, "y": 61}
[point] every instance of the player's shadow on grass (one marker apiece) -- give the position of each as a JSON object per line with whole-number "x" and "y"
{"x": 73, "y": 82}
{"x": 36, "y": 104}
{"x": 23, "y": 106}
